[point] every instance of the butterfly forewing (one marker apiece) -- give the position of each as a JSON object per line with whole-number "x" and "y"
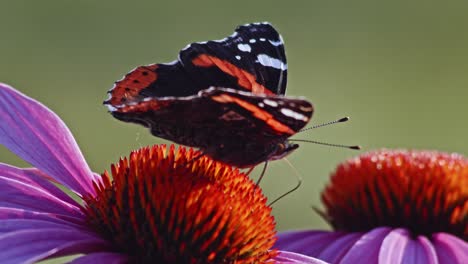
{"x": 252, "y": 59}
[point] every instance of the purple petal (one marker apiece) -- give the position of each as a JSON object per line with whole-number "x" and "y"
{"x": 12, "y": 225}
{"x": 15, "y": 213}
{"x": 20, "y": 195}
{"x": 101, "y": 257}
{"x": 393, "y": 246}
{"x": 419, "y": 250}
{"x": 291, "y": 257}
{"x": 336, "y": 250}
{"x": 39, "y": 136}
{"x": 366, "y": 249}
{"x": 450, "y": 249}
{"x": 34, "y": 245}
{"x": 310, "y": 243}
{"x": 35, "y": 178}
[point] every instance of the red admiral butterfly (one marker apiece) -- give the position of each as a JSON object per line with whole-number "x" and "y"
{"x": 225, "y": 97}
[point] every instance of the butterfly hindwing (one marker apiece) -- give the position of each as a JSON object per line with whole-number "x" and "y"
{"x": 273, "y": 115}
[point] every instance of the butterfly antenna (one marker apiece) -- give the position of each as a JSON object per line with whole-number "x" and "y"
{"x": 299, "y": 182}
{"x": 249, "y": 170}
{"x": 341, "y": 120}
{"x": 355, "y": 147}
{"x": 263, "y": 173}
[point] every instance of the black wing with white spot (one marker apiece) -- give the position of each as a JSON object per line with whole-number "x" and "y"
{"x": 251, "y": 59}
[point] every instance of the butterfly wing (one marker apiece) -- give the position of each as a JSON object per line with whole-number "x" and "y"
{"x": 252, "y": 59}
{"x": 278, "y": 116}
{"x": 238, "y": 128}
{"x": 222, "y": 113}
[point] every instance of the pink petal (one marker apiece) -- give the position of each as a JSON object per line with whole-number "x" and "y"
{"x": 12, "y": 225}
{"x": 393, "y": 246}
{"x": 16, "y": 213}
{"x": 36, "y": 178}
{"x": 450, "y": 249}
{"x": 308, "y": 242}
{"x": 39, "y": 136}
{"x": 419, "y": 250}
{"x": 336, "y": 250}
{"x": 366, "y": 249}
{"x": 101, "y": 257}
{"x": 34, "y": 245}
{"x": 16, "y": 194}
{"x": 291, "y": 257}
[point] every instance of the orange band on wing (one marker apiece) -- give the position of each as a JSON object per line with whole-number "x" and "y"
{"x": 244, "y": 78}
{"x": 256, "y": 111}
{"x": 128, "y": 89}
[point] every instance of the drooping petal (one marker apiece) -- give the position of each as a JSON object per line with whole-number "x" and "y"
{"x": 16, "y": 194}
{"x": 290, "y": 257}
{"x": 39, "y": 136}
{"x": 310, "y": 243}
{"x": 393, "y": 246}
{"x": 450, "y": 249}
{"x": 12, "y": 225}
{"x": 367, "y": 248}
{"x": 36, "y": 178}
{"x": 101, "y": 257}
{"x": 29, "y": 246}
{"x": 16, "y": 213}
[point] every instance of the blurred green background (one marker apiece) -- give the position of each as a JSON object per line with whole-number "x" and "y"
{"x": 399, "y": 69}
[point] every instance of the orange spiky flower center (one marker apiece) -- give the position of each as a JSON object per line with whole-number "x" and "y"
{"x": 170, "y": 206}
{"x": 424, "y": 191}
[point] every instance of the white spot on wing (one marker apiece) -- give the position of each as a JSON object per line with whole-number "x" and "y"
{"x": 244, "y": 47}
{"x": 252, "y": 40}
{"x": 270, "y": 103}
{"x": 295, "y": 115}
{"x": 261, "y": 105}
{"x": 111, "y": 108}
{"x": 268, "y": 61}
{"x": 276, "y": 43}
{"x": 238, "y": 57}
{"x": 262, "y": 39}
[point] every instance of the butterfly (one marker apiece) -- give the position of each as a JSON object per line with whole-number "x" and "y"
{"x": 225, "y": 97}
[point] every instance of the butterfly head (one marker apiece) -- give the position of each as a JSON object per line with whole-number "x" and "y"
{"x": 283, "y": 149}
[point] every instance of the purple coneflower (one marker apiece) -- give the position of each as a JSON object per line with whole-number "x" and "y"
{"x": 392, "y": 207}
{"x": 161, "y": 205}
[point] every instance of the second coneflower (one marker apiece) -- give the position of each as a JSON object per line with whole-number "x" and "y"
{"x": 392, "y": 207}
